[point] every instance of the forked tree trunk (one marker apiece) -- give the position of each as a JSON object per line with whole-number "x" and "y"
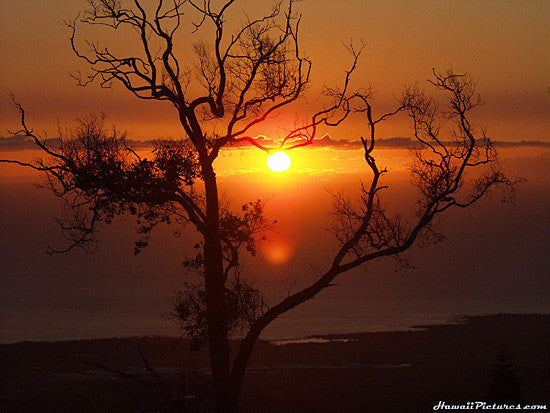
{"x": 246, "y": 346}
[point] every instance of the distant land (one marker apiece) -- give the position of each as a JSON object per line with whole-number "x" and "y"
{"x": 380, "y": 372}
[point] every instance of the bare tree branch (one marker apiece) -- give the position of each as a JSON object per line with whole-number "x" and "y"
{"x": 238, "y": 82}
{"x": 370, "y": 233}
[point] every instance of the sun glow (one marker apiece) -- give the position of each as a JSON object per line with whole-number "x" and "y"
{"x": 278, "y": 162}
{"x": 277, "y": 253}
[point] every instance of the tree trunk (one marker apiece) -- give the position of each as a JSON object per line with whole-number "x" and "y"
{"x": 246, "y": 346}
{"x": 238, "y": 371}
{"x": 216, "y": 313}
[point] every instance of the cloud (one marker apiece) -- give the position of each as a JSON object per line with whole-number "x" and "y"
{"x": 327, "y": 141}
{"x": 504, "y": 144}
{"x": 19, "y": 142}
{"x": 405, "y": 143}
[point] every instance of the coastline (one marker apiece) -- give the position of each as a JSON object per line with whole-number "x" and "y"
{"x": 392, "y": 371}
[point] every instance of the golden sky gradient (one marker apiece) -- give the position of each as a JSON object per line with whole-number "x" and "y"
{"x": 504, "y": 44}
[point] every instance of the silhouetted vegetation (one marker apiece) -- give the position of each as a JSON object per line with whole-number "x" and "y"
{"x": 231, "y": 85}
{"x": 505, "y": 386}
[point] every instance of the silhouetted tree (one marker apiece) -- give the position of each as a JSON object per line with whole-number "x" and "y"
{"x": 505, "y": 386}
{"x": 245, "y": 76}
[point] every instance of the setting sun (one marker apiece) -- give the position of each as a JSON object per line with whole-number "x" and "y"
{"x": 278, "y": 162}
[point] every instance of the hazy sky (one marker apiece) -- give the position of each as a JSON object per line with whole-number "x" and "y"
{"x": 504, "y": 44}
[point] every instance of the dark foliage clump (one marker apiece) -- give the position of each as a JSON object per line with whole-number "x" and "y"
{"x": 505, "y": 386}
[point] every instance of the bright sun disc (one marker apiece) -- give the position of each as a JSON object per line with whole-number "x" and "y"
{"x": 278, "y": 162}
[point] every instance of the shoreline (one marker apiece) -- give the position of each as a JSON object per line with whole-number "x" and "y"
{"x": 374, "y": 371}
{"x": 451, "y": 321}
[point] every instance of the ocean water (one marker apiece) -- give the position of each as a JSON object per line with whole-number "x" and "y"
{"x": 494, "y": 260}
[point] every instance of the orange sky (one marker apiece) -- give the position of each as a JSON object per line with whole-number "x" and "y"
{"x": 484, "y": 267}
{"x": 503, "y": 44}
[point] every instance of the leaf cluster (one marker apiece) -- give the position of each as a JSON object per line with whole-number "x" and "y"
{"x": 244, "y": 304}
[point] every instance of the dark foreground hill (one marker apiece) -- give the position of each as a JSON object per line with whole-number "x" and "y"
{"x": 407, "y": 371}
